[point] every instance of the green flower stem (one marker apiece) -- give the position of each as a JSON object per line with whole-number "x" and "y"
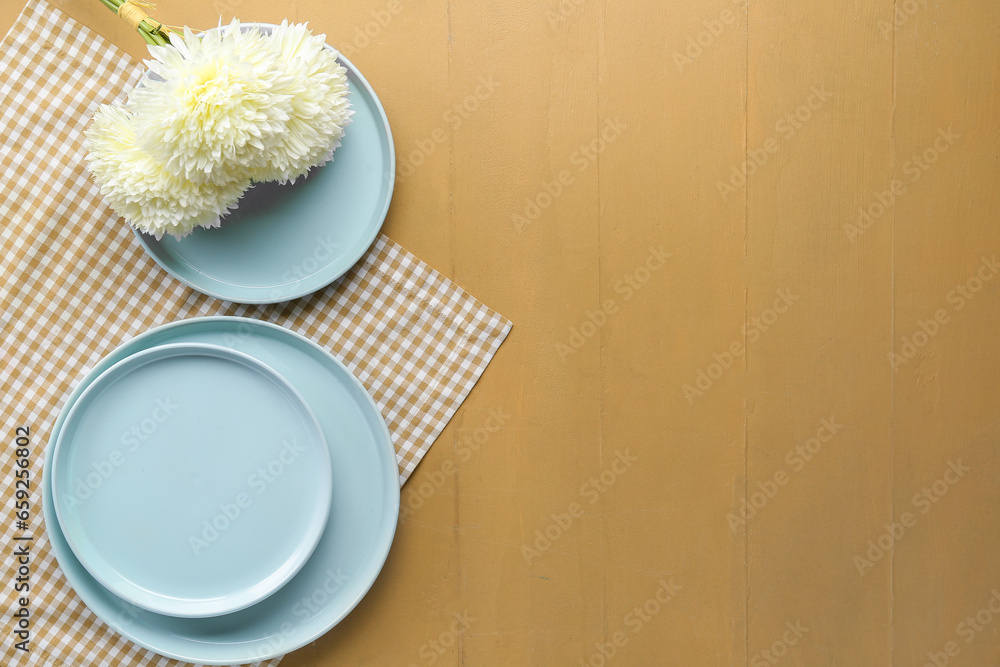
{"x": 150, "y": 31}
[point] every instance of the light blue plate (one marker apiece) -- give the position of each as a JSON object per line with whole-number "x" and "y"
{"x": 174, "y": 466}
{"x": 286, "y": 241}
{"x": 349, "y": 556}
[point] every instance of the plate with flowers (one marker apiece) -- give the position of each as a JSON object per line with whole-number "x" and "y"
{"x": 253, "y": 161}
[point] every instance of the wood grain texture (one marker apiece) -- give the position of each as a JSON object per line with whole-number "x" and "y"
{"x": 697, "y": 446}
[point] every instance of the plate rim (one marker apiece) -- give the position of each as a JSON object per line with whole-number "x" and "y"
{"x": 381, "y": 552}
{"x": 144, "y": 242}
{"x": 318, "y": 520}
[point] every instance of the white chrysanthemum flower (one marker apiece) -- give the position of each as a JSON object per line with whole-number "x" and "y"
{"x": 212, "y": 103}
{"x": 319, "y": 110}
{"x": 212, "y": 113}
{"x": 140, "y": 187}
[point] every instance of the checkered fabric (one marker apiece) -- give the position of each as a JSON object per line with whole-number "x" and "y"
{"x": 75, "y": 285}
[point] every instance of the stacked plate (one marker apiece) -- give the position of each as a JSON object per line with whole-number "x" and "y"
{"x": 220, "y": 490}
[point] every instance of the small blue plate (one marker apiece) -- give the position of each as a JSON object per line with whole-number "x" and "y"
{"x": 286, "y": 241}
{"x": 174, "y": 466}
{"x": 354, "y": 546}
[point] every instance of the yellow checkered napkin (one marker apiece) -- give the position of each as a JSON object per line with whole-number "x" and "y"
{"x": 75, "y": 285}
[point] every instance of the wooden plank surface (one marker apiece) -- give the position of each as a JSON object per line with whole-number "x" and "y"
{"x": 748, "y": 413}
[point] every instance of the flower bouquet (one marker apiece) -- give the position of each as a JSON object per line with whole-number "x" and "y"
{"x": 216, "y": 112}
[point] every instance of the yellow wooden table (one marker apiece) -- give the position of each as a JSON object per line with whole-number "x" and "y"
{"x": 749, "y": 410}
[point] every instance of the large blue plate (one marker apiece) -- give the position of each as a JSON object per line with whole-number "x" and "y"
{"x": 286, "y": 241}
{"x": 353, "y": 548}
